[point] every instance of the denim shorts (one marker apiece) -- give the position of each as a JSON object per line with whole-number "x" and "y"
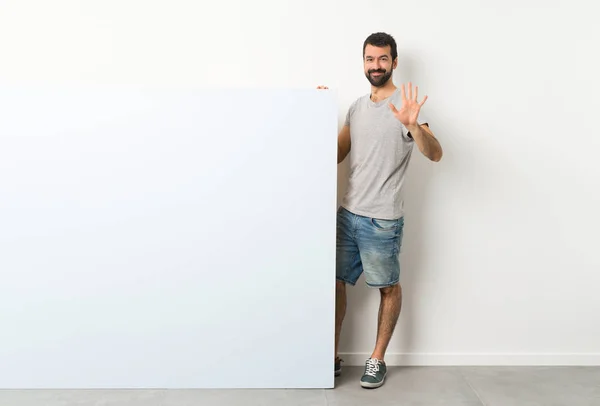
{"x": 368, "y": 245}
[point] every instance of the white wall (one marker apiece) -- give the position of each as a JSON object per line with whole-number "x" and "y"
{"x": 498, "y": 263}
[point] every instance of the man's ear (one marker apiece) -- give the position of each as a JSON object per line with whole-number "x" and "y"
{"x": 395, "y": 64}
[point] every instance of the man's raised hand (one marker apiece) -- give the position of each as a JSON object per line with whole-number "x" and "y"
{"x": 409, "y": 112}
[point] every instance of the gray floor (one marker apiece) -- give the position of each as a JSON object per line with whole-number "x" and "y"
{"x": 414, "y": 386}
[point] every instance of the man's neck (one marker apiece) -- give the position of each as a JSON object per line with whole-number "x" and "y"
{"x": 380, "y": 93}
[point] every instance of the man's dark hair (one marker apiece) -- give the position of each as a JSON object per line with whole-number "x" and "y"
{"x": 381, "y": 39}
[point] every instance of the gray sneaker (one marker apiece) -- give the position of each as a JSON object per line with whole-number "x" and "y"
{"x": 337, "y": 367}
{"x": 375, "y": 371}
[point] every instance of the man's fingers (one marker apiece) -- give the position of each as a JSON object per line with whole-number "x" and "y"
{"x": 322, "y": 87}
{"x": 416, "y": 93}
{"x": 424, "y": 100}
{"x": 403, "y": 92}
{"x": 409, "y": 91}
{"x": 394, "y": 109}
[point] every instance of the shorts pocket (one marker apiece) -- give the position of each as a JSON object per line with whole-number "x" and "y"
{"x": 384, "y": 225}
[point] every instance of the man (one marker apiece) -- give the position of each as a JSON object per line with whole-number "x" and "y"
{"x": 378, "y": 136}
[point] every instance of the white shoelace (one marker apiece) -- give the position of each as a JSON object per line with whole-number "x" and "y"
{"x": 372, "y": 367}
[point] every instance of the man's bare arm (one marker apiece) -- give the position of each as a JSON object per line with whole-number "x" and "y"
{"x": 426, "y": 141}
{"x": 408, "y": 115}
{"x": 343, "y": 143}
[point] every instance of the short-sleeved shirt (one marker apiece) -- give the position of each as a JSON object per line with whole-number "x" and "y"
{"x": 380, "y": 152}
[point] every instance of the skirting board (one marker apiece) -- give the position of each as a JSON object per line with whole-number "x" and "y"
{"x": 477, "y": 359}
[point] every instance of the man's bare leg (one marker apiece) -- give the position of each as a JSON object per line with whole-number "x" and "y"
{"x": 389, "y": 311}
{"x": 340, "y": 311}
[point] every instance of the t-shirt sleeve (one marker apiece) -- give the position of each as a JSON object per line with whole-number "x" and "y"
{"x": 406, "y": 134}
{"x": 349, "y": 113}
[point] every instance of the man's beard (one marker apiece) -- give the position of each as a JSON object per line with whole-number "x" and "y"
{"x": 380, "y": 80}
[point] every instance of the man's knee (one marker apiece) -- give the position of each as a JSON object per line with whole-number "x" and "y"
{"x": 394, "y": 290}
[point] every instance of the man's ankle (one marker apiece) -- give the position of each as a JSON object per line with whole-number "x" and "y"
{"x": 378, "y": 357}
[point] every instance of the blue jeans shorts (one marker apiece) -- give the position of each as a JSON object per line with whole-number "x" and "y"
{"x": 368, "y": 245}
